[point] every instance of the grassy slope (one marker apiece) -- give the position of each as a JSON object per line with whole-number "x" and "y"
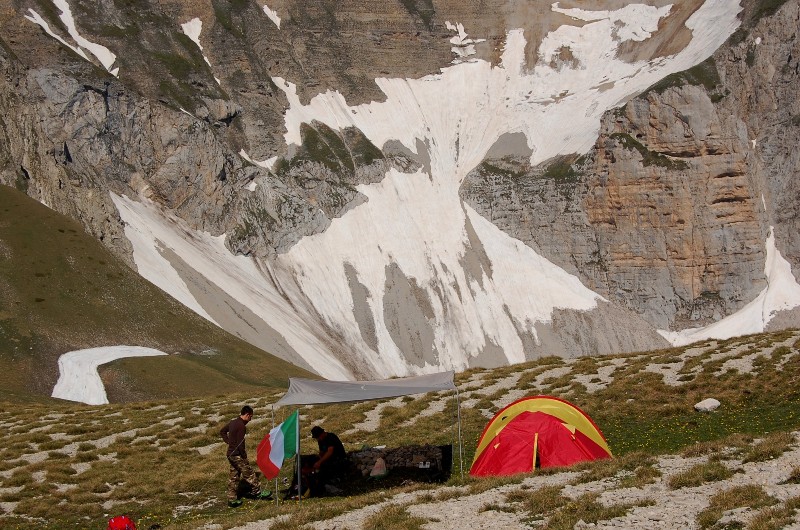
{"x": 639, "y": 414}
{"x": 61, "y": 290}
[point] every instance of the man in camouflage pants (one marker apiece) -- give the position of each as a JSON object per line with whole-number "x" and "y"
{"x": 233, "y": 434}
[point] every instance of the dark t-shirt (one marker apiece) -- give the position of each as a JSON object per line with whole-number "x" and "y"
{"x": 233, "y": 434}
{"x": 331, "y": 440}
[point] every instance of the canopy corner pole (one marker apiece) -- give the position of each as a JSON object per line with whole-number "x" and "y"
{"x": 297, "y": 452}
{"x": 272, "y": 406}
{"x": 460, "y": 444}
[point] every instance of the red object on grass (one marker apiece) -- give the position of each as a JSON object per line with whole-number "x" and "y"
{"x": 121, "y": 522}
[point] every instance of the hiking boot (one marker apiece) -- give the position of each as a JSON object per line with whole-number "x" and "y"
{"x": 264, "y": 495}
{"x": 235, "y": 504}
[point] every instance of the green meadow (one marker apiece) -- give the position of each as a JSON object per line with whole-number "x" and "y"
{"x": 72, "y": 466}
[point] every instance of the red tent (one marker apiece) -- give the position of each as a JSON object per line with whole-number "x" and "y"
{"x": 539, "y": 431}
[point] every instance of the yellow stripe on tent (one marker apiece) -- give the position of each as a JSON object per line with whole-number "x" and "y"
{"x": 557, "y": 408}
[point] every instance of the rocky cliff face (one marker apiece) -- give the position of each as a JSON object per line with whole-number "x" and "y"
{"x": 761, "y": 68}
{"x": 350, "y": 156}
{"x": 668, "y": 213}
{"x": 660, "y": 216}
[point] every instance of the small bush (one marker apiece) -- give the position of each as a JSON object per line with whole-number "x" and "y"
{"x": 794, "y": 476}
{"x": 5, "y": 465}
{"x": 485, "y": 484}
{"x": 494, "y": 507}
{"x": 776, "y": 517}
{"x": 394, "y": 517}
{"x": 772, "y": 446}
{"x": 737, "y": 441}
{"x": 609, "y": 467}
{"x": 538, "y": 503}
{"x": 642, "y": 476}
{"x": 589, "y": 510}
{"x": 19, "y": 478}
{"x": 780, "y": 352}
{"x": 700, "y": 474}
{"x": 86, "y": 457}
{"x": 73, "y": 430}
{"x": 749, "y": 496}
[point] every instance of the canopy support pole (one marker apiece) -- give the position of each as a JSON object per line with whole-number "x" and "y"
{"x": 276, "y": 477}
{"x": 297, "y": 452}
{"x": 460, "y": 444}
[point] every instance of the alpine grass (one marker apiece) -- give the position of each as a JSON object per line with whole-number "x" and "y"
{"x": 162, "y": 461}
{"x": 750, "y": 496}
{"x": 711, "y": 471}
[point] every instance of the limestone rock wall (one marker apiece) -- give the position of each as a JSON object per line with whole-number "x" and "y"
{"x": 665, "y": 214}
{"x": 761, "y": 69}
{"x": 70, "y": 137}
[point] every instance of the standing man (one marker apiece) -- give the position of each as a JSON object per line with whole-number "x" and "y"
{"x": 233, "y": 434}
{"x": 332, "y": 463}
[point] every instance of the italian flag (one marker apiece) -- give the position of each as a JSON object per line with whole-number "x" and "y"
{"x": 278, "y": 445}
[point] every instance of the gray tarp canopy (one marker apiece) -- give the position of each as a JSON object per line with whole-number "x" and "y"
{"x": 312, "y": 392}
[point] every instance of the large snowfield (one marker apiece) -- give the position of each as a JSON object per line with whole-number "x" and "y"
{"x": 416, "y": 223}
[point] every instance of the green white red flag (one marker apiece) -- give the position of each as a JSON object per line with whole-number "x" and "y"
{"x": 278, "y": 445}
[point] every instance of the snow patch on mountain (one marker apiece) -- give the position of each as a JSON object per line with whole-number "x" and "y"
{"x": 192, "y": 29}
{"x": 633, "y": 22}
{"x": 36, "y": 18}
{"x": 150, "y": 262}
{"x": 266, "y": 164}
{"x": 273, "y": 16}
{"x": 255, "y": 285}
{"x": 782, "y": 293}
{"x": 463, "y": 46}
{"x": 78, "y": 379}
{"x": 419, "y": 226}
{"x": 103, "y": 54}
{"x": 464, "y": 109}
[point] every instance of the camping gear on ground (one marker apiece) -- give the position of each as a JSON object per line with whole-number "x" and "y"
{"x": 310, "y": 485}
{"x": 401, "y": 465}
{"x": 540, "y": 431}
{"x": 379, "y": 469}
{"x": 418, "y": 463}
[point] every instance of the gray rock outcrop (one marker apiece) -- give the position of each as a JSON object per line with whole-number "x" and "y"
{"x": 707, "y": 405}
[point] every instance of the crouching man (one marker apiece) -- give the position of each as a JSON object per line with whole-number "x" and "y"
{"x": 233, "y": 434}
{"x": 332, "y": 463}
